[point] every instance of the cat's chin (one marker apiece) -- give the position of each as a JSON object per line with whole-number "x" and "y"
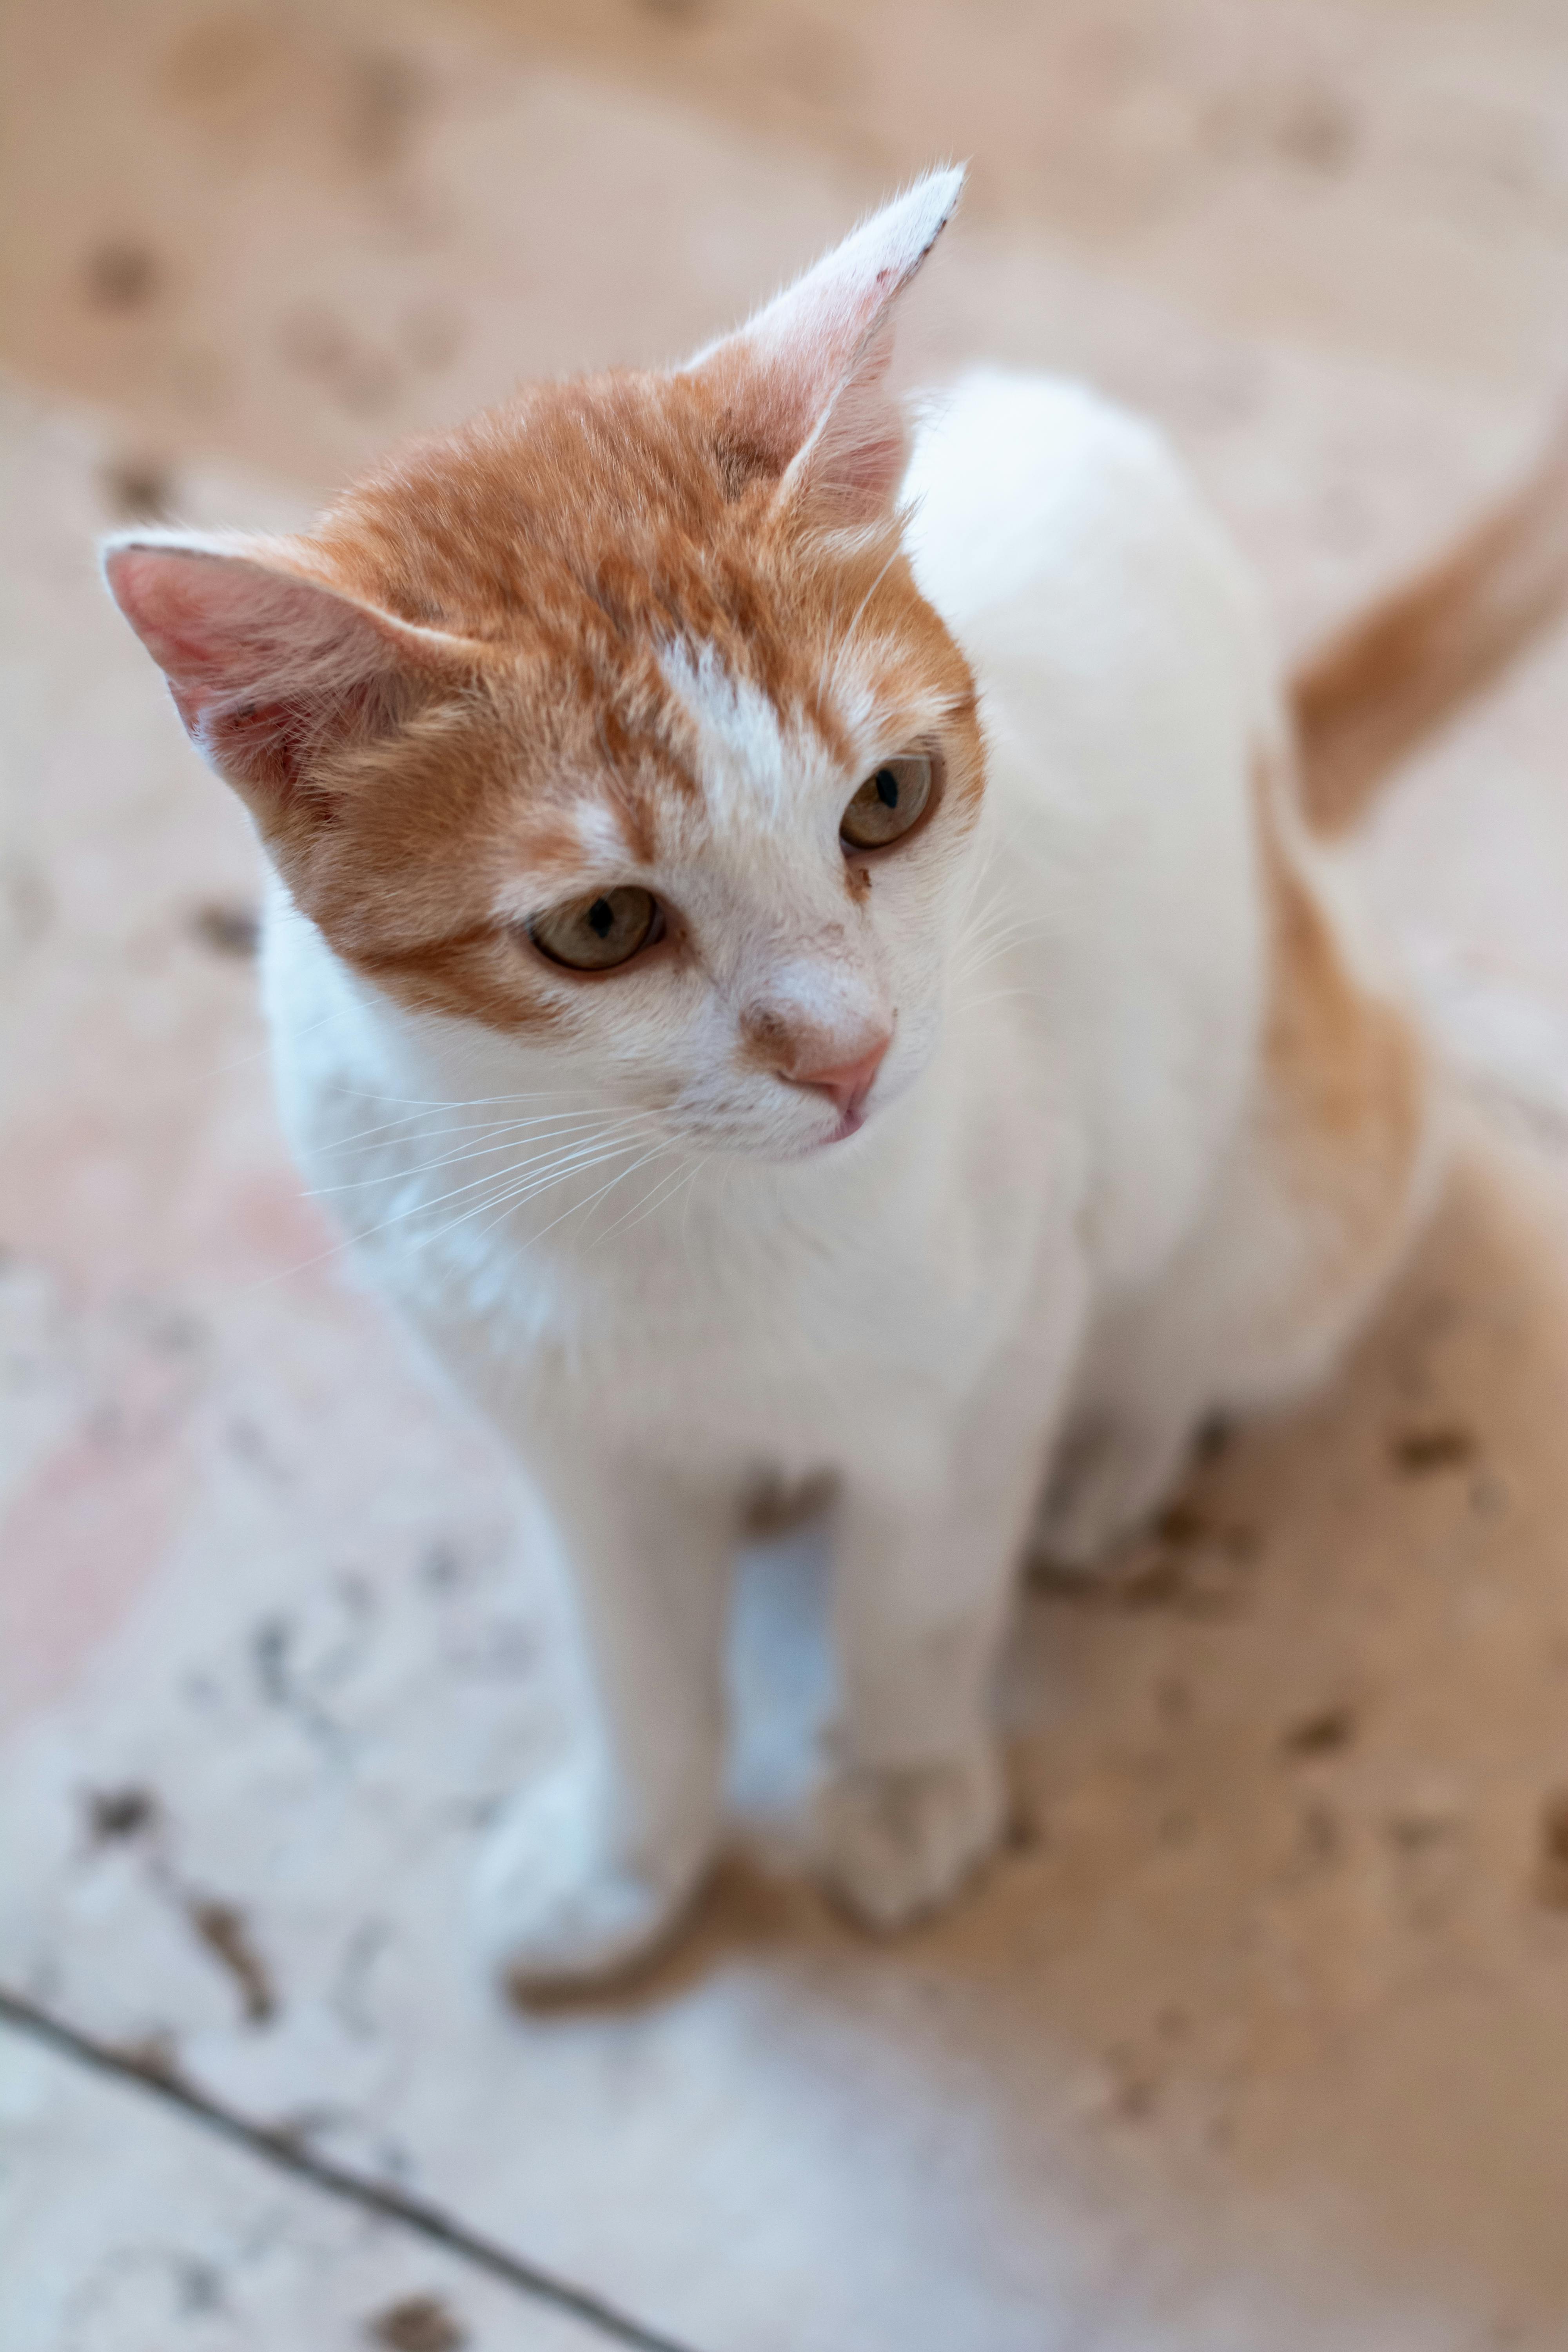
{"x": 812, "y": 1149}
{"x": 851, "y": 1124}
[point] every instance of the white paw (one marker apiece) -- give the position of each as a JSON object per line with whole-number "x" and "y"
{"x": 1105, "y": 1483}
{"x": 898, "y": 1843}
{"x": 553, "y": 1901}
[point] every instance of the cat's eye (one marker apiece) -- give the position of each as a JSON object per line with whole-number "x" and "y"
{"x": 595, "y": 933}
{"x": 888, "y": 803}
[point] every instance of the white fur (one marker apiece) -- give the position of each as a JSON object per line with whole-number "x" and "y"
{"x": 1053, "y": 1189}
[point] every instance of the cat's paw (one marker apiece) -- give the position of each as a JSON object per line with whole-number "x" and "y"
{"x": 554, "y": 1903}
{"x": 1106, "y": 1483}
{"x": 895, "y": 1844}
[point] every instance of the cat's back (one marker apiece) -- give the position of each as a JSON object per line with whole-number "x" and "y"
{"x": 1028, "y": 489}
{"x": 1127, "y": 688}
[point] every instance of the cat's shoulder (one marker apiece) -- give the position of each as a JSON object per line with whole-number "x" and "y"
{"x": 1018, "y": 479}
{"x": 1019, "y": 425}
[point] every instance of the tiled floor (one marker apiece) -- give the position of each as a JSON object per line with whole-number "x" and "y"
{"x": 1258, "y": 2036}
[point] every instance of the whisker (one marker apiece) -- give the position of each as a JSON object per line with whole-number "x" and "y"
{"x": 479, "y": 1102}
{"x": 417, "y": 1208}
{"x": 997, "y": 996}
{"x": 650, "y": 1201}
{"x": 686, "y": 1213}
{"x": 599, "y": 1195}
{"x": 566, "y": 1130}
{"x": 510, "y": 1194}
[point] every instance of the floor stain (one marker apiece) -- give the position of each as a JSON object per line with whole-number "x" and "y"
{"x": 225, "y": 1930}
{"x": 1322, "y": 1733}
{"x": 1444, "y": 1447}
{"x": 228, "y": 930}
{"x": 419, "y": 2323}
{"x": 116, "y": 1814}
{"x": 1552, "y": 1876}
{"x": 121, "y": 275}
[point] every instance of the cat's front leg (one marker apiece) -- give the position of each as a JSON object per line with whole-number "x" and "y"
{"x": 587, "y": 1869}
{"x": 924, "y": 1574}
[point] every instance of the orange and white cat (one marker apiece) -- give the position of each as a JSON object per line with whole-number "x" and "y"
{"x": 798, "y": 952}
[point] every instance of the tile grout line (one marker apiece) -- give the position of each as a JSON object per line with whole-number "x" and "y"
{"x": 285, "y": 2154}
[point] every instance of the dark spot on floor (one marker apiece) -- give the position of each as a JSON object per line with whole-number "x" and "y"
{"x": 1317, "y": 130}
{"x": 1443, "y": 1446}
{"x": 138, "y": 489}
{"x": 121, "y": 274}
{"x": 1311, "y": 126}
{"x": 1551, "y": 1882}
{"x": 419, "y": 2323}
{"x": 1024, "y": 1832}
{"x": 1420, "y": 1833}
{"x": 1203, "y": 1580}
{"x": 773, "y": 1505}
{"x": 1135, "y": 2086}
{"x": 1213, "y": 1438}
{"x": 155, "y": 2055}
{"x": 384, "y": 96}
{"x": 225, "y": 1932}
{"x": 114, "y": 1814}
{"x": 1182, "y": 1522}
{"x": 441, "y": 1568}
{"x": 200, "y": 2288}
{"x": 1320, "y": 1732}
{"x": 228, "y": 930}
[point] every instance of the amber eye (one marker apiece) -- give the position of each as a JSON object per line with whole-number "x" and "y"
{"x": 597, "y": 933}
{"x": 887, "y": 803}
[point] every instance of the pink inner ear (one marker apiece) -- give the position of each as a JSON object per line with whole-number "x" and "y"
{"x": 264, "y": 665}
{"x": 805, "y": 381}
{"x": 228, "y": 624}
{"x": 856, "y": 460}
{"x": 175, "y": 602}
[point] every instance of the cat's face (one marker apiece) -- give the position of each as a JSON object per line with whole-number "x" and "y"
{"x": 615, "y": 722}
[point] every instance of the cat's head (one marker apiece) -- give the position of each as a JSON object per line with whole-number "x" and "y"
{"x": 614, "y": 720}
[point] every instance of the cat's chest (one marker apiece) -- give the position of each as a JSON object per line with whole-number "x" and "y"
{"x": 796, "y": 1341}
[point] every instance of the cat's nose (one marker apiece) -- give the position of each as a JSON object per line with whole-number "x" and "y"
{"x": 848, "y": 1084}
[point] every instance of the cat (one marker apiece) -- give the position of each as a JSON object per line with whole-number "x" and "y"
{"x": 799, "y": 945}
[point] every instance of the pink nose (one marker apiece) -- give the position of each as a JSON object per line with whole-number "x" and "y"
{"x": 848, "y": 1084}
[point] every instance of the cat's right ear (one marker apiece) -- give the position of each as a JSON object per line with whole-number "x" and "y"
{"x": 802, "y": 387}
{"x": 272, "y": 669}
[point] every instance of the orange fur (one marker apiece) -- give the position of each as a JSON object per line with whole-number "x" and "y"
{"x": 1393, "y": 675}
{"x": 1344, "y": 1104}
{"x": 564, "y": 541}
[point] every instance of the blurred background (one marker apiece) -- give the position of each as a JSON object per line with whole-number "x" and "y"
{"x": 1258, "y": 2034}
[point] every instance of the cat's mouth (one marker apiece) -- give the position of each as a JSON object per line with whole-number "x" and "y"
{"x": 851, "y": 1124}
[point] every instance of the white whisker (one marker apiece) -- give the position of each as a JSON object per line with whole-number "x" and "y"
{"x": 511, "y": 1195}
{"x": 635, "y": 1217}
{"x": 567, "y": 1128}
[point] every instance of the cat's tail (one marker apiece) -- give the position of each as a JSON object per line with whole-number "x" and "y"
{"x": 1393, "y": 675}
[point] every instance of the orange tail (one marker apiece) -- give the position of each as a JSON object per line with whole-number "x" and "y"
{"x": 1392, "y": 675}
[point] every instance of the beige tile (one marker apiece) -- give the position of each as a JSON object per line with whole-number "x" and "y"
{"x": 187, "y": 2245}
{"x": 1255, "y": 2037}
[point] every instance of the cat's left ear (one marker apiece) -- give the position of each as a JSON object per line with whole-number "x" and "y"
{"x": 273, "y": 668}
{"x": 802, "y": 387}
